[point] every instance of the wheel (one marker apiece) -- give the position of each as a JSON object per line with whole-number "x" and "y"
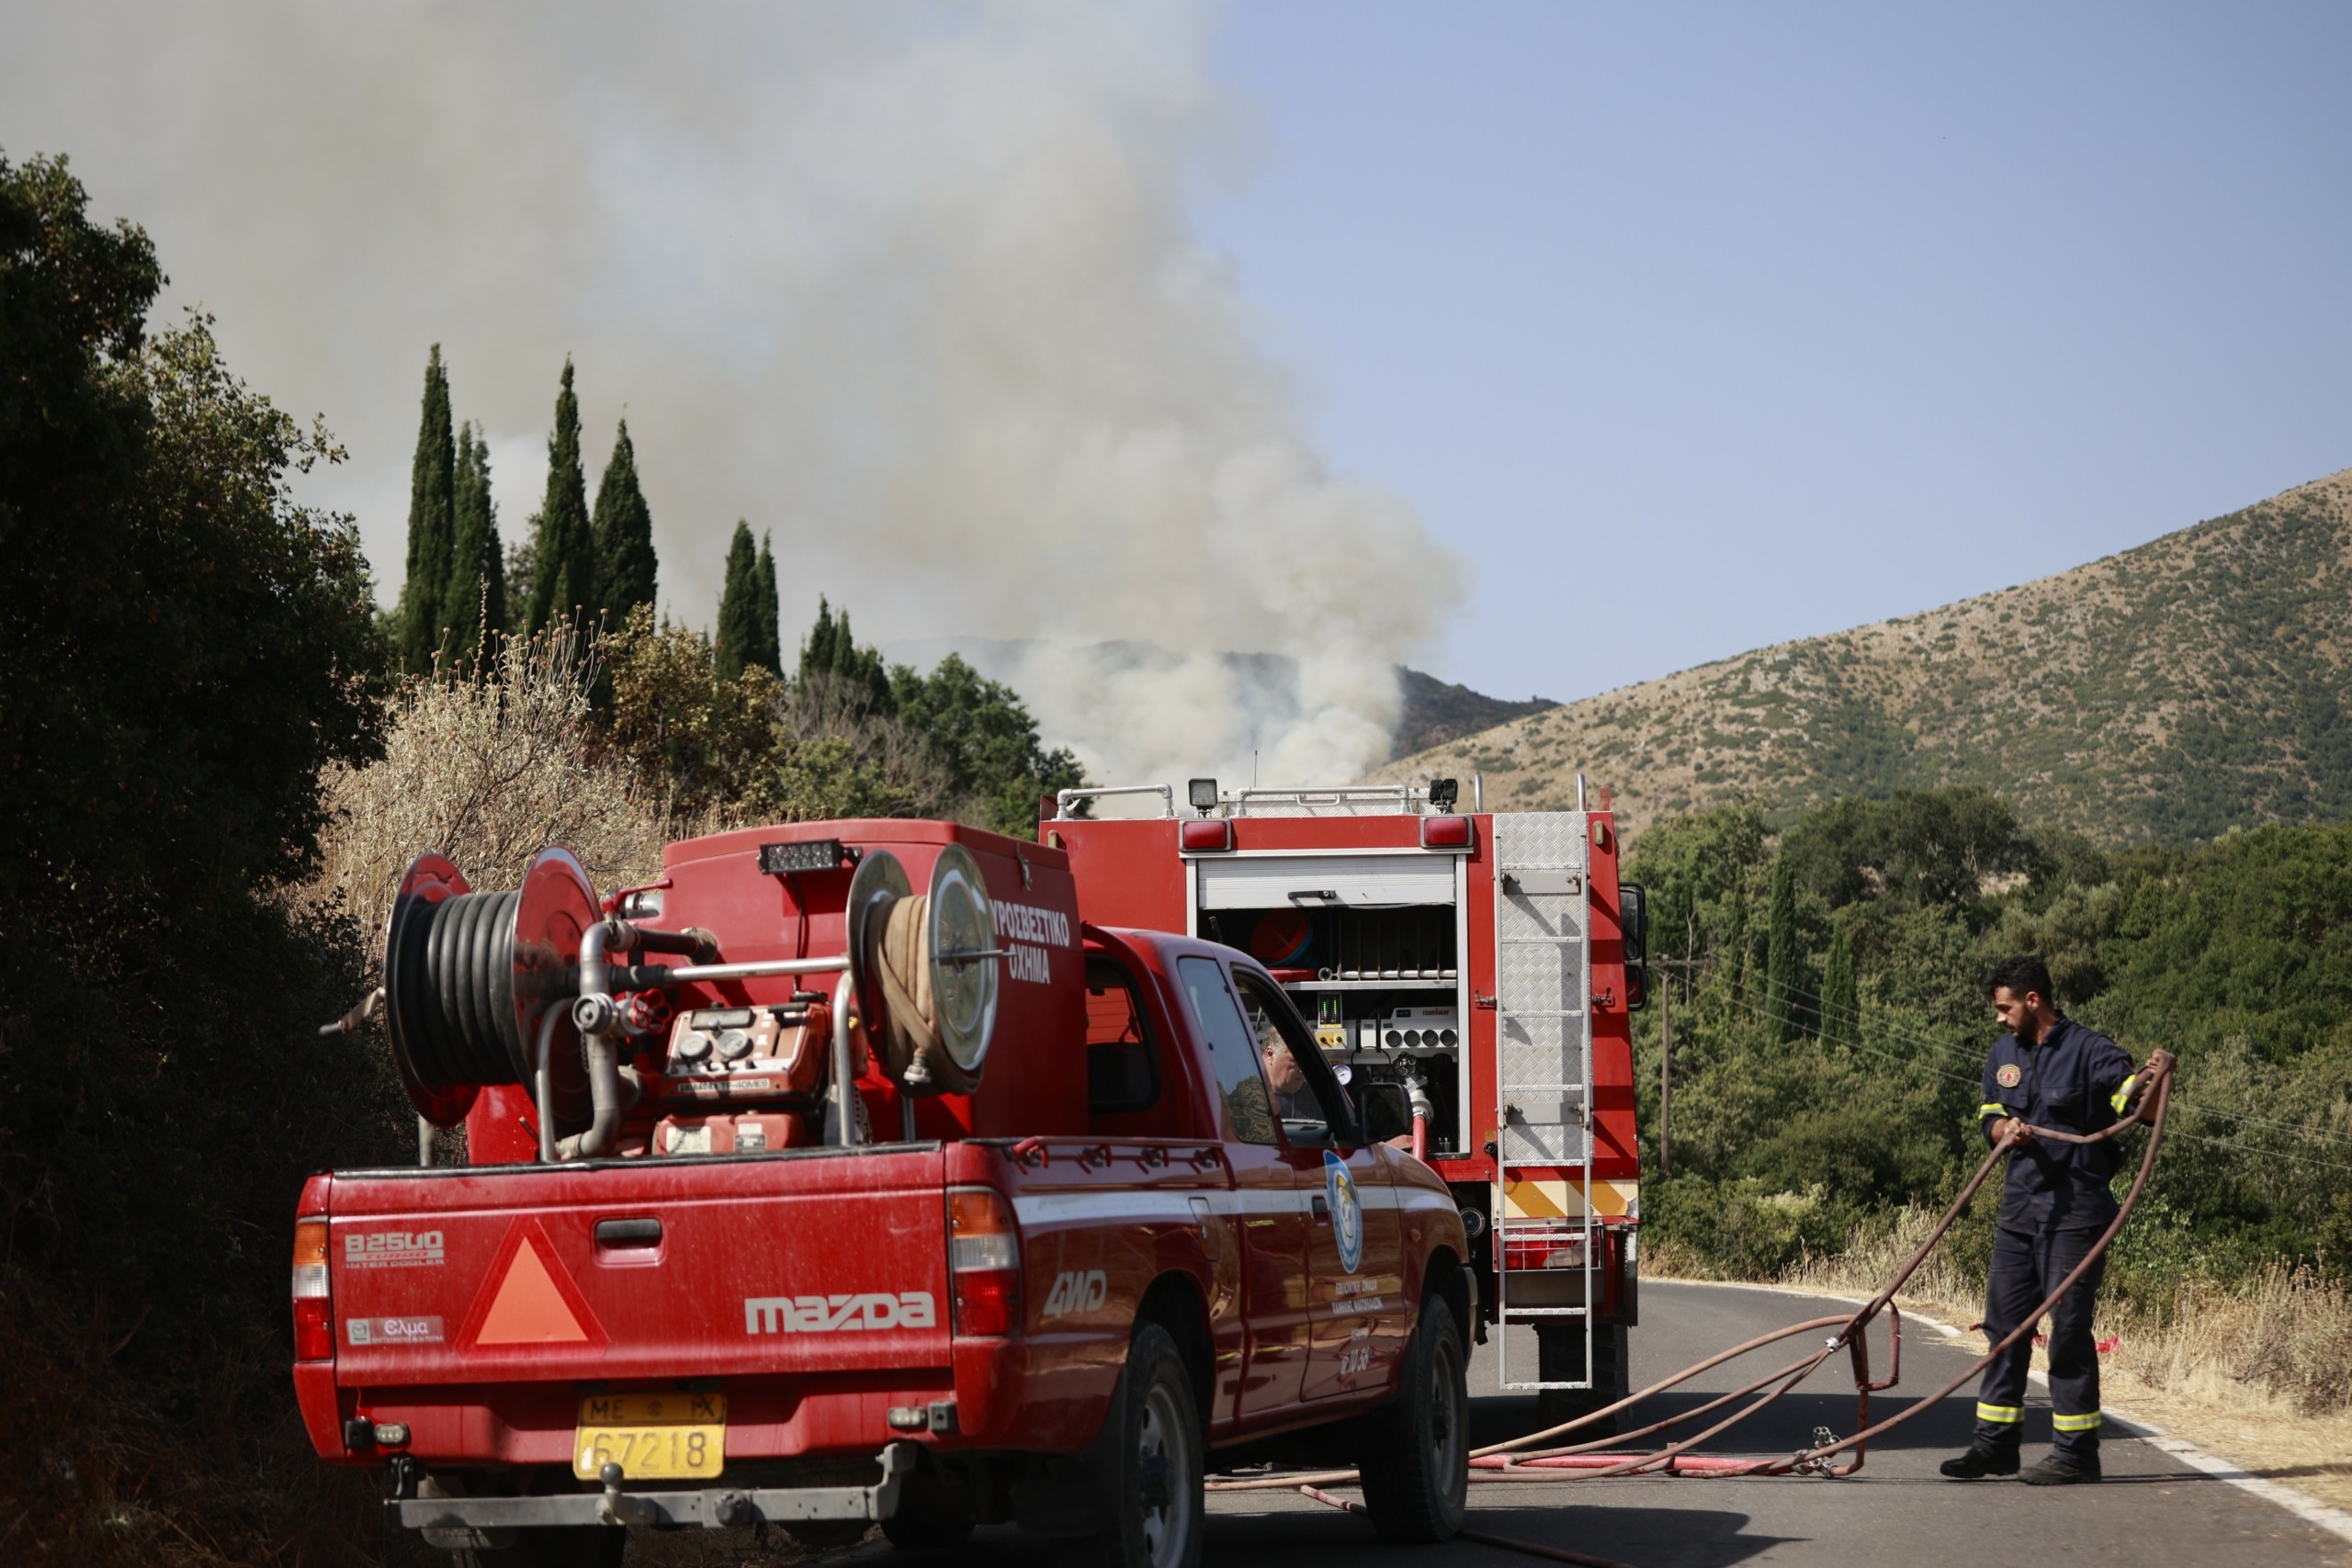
{"x": 931, "y": 1517}
{"x": 1559, "y": 1357}
{"x": 1150, "y": 1482}
{"x": 1417, "y": 1463}
{"x": 553, "y": 1546}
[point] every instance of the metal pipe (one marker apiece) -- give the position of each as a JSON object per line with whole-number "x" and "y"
{"x": 543, "y": 1085}
{"x": 593, "y": 942}
{"x": 423, "y": 1142}
{"x": 687, "y": 973}
{"x": 844, "y": 1092}
{"x": 1167, "y": 793}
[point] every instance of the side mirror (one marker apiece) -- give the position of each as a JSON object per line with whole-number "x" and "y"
{"x": 1633, "y": 920}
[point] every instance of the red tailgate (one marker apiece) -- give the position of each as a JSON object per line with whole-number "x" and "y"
{"x": 831, "y": 1261}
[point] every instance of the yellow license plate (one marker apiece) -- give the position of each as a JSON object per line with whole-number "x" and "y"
{"x": 652, "y": 1436}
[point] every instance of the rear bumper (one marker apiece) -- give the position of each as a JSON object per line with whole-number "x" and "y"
{"x": 487, "y": 1523}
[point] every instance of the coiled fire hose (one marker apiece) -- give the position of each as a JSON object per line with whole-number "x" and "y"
{"x": 913, "y": 1054}
{"x": 1523, "y": 1458}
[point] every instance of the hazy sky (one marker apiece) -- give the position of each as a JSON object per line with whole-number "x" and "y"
{"x": 1696, "y": 328}
{"x": 1547, "y": 347}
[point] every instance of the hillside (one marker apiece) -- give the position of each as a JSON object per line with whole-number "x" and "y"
{"x": 2172, "y": 692}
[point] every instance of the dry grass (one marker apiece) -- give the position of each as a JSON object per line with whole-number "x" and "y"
{"x": 487, "y": 770}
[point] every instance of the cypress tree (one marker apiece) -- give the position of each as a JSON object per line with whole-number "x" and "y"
{"x": 817, "y": 650}
{"x": 474, "y": 604}
{"x": 1781, "y": 956}
{"x": 1840, "y": 991}
{"x": 432, "y": 506}
{"x": 832, "y": 650}
{"x": 738, "y": 614}
{"x": 769, "y": 609}
{"x": 563, "y": 574}
{"x": 623, "y": 531}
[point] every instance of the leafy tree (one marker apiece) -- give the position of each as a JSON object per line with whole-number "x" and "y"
{"x": 432, "y": 523}
{"x": 830, "y": 658}
{"x": 700, "y": 735}
{"x": 563, "y": 568}
{"x": 769, "y": 651}
{"x": 987, "y": 741}
{"x": 1841, "y": 1003}
{"x": 1941, "y": 846}
{"x": 475, "y": 599}
{"x": 745, "y": 748}
{"x": 622, "y": 530}
{"x": 189, "y": 648}
{"x": 739, "y": 608}
{"x": 1692, "y": 867}
{"x": 1784, "y": 965}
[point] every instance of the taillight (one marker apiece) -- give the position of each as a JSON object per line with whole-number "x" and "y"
{"x": 983, "y": 1262}
{"x": 1445, "y": 832}
{"x": 1551, "y": 1251}
{"x": 314, "y": 1311}
{"x": 1205, "y": 835}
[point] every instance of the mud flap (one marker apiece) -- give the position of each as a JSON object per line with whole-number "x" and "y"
{"x": 1060, "y": 1498}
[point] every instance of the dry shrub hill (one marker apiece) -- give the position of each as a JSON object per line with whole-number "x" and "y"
{"x": 2169, "y": 693}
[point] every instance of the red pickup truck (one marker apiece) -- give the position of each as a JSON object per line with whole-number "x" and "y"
{"x": 1007, "y": 1219}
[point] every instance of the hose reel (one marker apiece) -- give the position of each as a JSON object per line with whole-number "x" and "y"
{"x": 470, "y": 979}
{"x": 926, "y": 968}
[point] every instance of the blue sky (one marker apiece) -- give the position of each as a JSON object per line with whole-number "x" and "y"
{"x": 1697, "y": 328}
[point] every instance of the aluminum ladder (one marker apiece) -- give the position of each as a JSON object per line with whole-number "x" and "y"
{"x": 1543, "y": 1065}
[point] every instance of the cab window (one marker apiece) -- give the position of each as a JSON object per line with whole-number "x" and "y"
{"x": 1293, "y": 1069}
{"x": 1233, "y": 1051}
{"x": 1122, "y": 1067}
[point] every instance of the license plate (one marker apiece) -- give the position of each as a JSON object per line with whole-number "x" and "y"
{"x": 652, "y": 1436}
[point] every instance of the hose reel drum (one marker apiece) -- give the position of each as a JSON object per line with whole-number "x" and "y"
{"x": 471, "y": 978}
{"x": 926, "y": 968}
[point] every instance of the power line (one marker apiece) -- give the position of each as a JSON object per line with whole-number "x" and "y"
{"x": 2265, "y": 1154}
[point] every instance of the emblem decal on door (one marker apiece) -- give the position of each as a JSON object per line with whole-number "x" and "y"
{"x": 1347, "y": 1214}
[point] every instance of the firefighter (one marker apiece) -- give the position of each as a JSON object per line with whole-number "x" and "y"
{"x": 2048, "y": 1071}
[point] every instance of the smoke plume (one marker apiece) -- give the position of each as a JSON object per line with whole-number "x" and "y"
{"x": 913, "y": 289}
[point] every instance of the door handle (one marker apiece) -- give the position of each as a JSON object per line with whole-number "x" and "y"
{"x": 1319, "y": 1206}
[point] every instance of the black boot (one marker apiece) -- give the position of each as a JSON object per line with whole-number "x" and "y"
{"x": 1980, "y": 1462}
{"x": 2065, "y": 1470}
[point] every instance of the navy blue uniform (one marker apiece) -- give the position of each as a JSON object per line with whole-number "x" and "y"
{"x": 2054, "y": 1202}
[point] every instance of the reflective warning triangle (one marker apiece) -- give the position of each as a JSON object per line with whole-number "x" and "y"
{"x": 528, "y": 1298}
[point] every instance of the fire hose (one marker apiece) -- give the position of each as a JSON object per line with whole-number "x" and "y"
{"x": 1523, "y": 1458}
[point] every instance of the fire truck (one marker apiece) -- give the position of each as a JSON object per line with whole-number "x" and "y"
{"x": 1481, "y": 969}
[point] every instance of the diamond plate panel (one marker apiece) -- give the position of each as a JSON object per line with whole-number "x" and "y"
{"x": 1540, "y": 1144}
{"x": 1540, "y": 838}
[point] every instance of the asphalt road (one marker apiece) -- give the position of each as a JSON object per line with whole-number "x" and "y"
{"x": 2151, "y": 1509}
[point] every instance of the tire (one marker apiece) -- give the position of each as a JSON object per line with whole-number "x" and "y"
{"x": 1417, "y": 1463}
{"x": 553, "y": 1546}
{"x": 1560, "y": 1359}
{"x": 1149, "y": 1480}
